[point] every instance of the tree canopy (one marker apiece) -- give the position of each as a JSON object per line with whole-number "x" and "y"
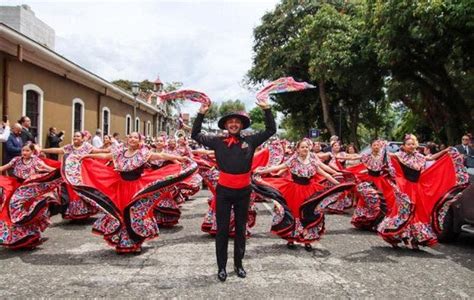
{"x": 382, "y": 68}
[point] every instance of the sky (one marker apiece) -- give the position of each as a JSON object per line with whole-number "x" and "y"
{"x": 206, "y": 45}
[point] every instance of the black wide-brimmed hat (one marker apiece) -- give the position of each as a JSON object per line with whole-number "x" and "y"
{"x": 240, "y": 115}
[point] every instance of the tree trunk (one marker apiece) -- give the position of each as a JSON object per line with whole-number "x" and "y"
{"x": 354, "y": 117}
{"x": 325, "y": 105}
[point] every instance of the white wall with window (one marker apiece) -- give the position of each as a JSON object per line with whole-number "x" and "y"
{"x": 33, "y": 98}
{"x": 78, "y": 109}
{"x": 106, "y": 120}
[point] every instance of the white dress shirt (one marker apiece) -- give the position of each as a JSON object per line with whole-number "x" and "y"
{"x": 4, "y": 134}
{"x": 97, "y": 142}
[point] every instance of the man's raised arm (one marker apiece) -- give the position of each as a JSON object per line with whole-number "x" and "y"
{"x": 196, "y": 134}
{"x": 270, "y": 126}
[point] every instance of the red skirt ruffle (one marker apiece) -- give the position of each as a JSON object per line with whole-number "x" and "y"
{"x": 297, "y": 214}
{"x": 25, "y": 210}
{"x": 128, "y": 204}
{"x": 410, "y": 220}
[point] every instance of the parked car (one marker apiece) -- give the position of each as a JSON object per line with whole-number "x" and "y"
{"x": 460, "y": 216}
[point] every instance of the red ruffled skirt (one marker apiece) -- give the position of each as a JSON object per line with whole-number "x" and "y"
{"x": 128, "y": 204}
{"x": 374, "y": 196}
{"x": 72, "y": 207}
{"x": 410, "y": 219}
{"x": 25, "y": 209}
{"x": 297, "y": 214}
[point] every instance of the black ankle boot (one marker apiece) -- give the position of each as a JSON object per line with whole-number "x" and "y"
{"x": 291, "y": 245}
{"x": 308, "y": 247}
{"x": 240, "y": 272}
{"x": 222, "y": 275}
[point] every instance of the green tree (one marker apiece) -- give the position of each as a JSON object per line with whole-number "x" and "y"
{"x": 212, "y": 114}
{"x": 427, "y": 46}
{"x": 323, "y": 42}
{"x": 231, "y": 106}
{"x": 258, "y": 118}
{"x": 123, "y": 84}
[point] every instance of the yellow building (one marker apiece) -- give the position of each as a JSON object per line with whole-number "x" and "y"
{"x": 53, "y": 91}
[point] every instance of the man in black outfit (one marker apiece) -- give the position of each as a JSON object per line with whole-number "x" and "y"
{"x": 53, "y": 140}
{"x": 26, "y": 134}
{"x": 468, "y": 152}
{"x": 234, "y": 155}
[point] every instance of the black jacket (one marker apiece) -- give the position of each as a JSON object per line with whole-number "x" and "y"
{"x": 53, "y": 140}
{"x": 27, "y": 136}
{"x": 236, "y": 159}
{"x": 12, "y": 147}
{"x": 468, "y": 158}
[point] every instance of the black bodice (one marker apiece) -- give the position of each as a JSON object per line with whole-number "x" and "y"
{"x": 300, "y": 180}
{"x": 133, "y": 174}
{"x": 410, "y": 174}
{"x": 375, "y": 173}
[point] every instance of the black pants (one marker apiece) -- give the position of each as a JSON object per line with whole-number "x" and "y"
{"x": 239, "y": 199}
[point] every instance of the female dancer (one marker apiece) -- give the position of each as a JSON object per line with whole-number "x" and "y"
{"x": 74, "y": 206}
{"x": 351, "y": 151}
{"x": 128, "y": 192}
{"x": 167, "y": 211}
{"x": 410, "y": 220}
{"x": 337, "y": 203}
{"x": 376, "y": 191}
{"x": 107, "y": 142}
{"x": 25, "y": 199}
{"x": 297, "y": 215}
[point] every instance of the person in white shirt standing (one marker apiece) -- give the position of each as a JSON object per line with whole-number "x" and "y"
{"x": 97, "y": 139}
{"x": 4, "y": 131}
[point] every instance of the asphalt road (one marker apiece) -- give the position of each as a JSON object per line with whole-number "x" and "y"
{"x": 346, "y": 263}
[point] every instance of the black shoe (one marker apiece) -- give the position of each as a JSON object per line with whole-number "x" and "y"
{"x": 240, "y": 272}
{"x": 308, "y": 247}
{"x": 222, "y": 275}
{"x": 291, "y": 245}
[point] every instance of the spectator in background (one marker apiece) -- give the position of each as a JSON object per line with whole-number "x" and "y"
{"x": 351, "y": 149}
{"x": 317, "y": 147}
{"x": 26, "y": 134}
{"x": 332, "y": 140}
{"x": 87, "y": 136}
{"x": 468, "y": 152}
{"x": 4, "y": 131}
{"x": 430, "y": 149}
{"x": 97, "y": 139}
{"x": 14, "y": 143}
{"x": 53, "y": 140}
{"x": 442, "y": 147}
{"x": 107, "y": 142}
{"x": 116, "y": 139}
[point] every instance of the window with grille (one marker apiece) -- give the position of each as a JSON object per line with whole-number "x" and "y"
{"x": 105, "y": 120}
{"x": 32, "y": 110}
{"x": 128, "y": 124}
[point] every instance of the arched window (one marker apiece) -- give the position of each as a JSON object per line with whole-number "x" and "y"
{"x": 33, "y": 108}
{"x": 77, "y": 115}
{"x": 137, "y": 124}
{"x": 105, "y": 120}
{"x": 128, "y": 124}
{"x": 148, "y": 129}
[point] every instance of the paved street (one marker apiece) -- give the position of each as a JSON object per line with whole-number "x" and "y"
{"x": 346, "y": 263}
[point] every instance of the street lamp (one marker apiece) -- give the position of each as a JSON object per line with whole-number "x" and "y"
{"x": 135, "y": 91}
